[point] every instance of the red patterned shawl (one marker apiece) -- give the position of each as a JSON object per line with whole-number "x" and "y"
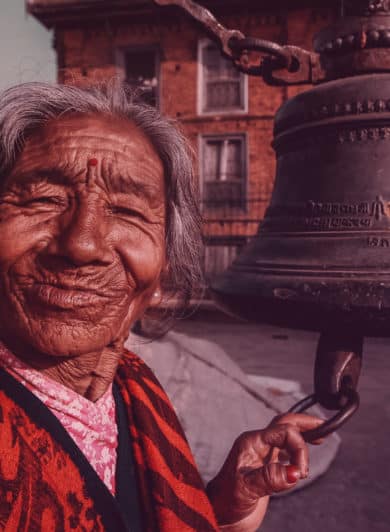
{"x": 47, "y": 484}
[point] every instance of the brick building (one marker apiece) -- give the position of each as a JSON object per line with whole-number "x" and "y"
{"x": 227, "y": 116}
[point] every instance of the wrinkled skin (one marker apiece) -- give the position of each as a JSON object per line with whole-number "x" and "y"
{"x": 82, "y": 247}
{"x": 82, "y": 221}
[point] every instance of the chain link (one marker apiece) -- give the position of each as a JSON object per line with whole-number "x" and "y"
{"x": 278, "y": 65}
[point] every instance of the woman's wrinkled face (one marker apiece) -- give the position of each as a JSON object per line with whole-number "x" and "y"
{"x": 82, "y": 225}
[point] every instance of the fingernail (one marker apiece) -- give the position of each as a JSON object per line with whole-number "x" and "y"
{"x": 293, "y": 474}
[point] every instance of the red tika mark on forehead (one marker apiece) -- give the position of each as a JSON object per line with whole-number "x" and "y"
{"x": 92, "y": 162}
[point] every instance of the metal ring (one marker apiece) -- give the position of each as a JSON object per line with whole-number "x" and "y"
{"x": 261, "y": 45}
{"x": 333, "y": 423}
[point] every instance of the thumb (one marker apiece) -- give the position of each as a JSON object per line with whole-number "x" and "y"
{"x": 271, "y": 478}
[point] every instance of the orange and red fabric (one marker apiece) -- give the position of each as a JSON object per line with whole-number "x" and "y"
{"x": 46, "y": 483}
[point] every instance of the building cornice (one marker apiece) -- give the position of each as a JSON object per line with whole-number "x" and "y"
{"x": 77, "y": 12}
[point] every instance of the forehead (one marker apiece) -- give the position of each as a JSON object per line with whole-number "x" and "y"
{"x": 72, "y": 141}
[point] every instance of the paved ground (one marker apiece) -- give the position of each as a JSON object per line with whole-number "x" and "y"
{"x": 354, "y": 495}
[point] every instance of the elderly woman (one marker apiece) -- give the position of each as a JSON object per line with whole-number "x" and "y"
{"x": 97, "y": 215}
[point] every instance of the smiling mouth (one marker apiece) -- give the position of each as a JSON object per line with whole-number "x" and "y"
{"x": 63, "y": 298}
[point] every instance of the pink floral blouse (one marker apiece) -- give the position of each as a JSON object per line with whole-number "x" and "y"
{"x": 91, "y": 425}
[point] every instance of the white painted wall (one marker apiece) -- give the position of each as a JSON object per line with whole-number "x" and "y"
{"x": 26, "y": 52}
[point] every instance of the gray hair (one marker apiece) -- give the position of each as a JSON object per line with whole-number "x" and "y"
{"x": 29, "y": 106}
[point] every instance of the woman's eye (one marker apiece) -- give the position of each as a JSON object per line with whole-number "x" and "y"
{"x": 126, "y": 211}
{"x": 45, "y": 200}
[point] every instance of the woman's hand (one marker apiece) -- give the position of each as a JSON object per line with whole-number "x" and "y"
{"x": 256, "y": 467}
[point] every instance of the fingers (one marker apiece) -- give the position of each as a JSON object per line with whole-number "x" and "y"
{"x": 302, "y": 422}
{"x": 288, "y": 438}
{"x": 271, "y": 478}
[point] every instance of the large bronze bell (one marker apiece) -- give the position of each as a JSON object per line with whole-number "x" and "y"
{"x": 322, "y": 254}
{"x": 321, "y": 259}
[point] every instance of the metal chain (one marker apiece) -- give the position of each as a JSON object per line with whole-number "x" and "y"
{"x": 278, "y": 65}
{"x": 332, "y": 424}
{"x": 234, "y": 43}
{"x": 241, "y": 47}
{"x": 205, "y": 17}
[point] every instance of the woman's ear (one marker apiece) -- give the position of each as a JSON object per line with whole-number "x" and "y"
{"x": 157, "y": 297}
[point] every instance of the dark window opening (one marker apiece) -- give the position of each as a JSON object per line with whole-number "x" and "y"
{"x": 142, "y": 73}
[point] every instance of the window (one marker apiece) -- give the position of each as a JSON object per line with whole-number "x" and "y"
{"x": 140, "y": 67}
{"x": 223, "y": 172}
{"x": 222, "y": 87}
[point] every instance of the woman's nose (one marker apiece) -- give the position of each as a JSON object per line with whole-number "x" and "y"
{"x": 83, "y": 236}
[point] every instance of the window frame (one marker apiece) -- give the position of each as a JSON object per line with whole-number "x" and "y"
{"x": 202, "y": 140}
{"x": 120, "y": 62}
{"x": 201, "y": 89}
{"x": 235, "y": 241}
